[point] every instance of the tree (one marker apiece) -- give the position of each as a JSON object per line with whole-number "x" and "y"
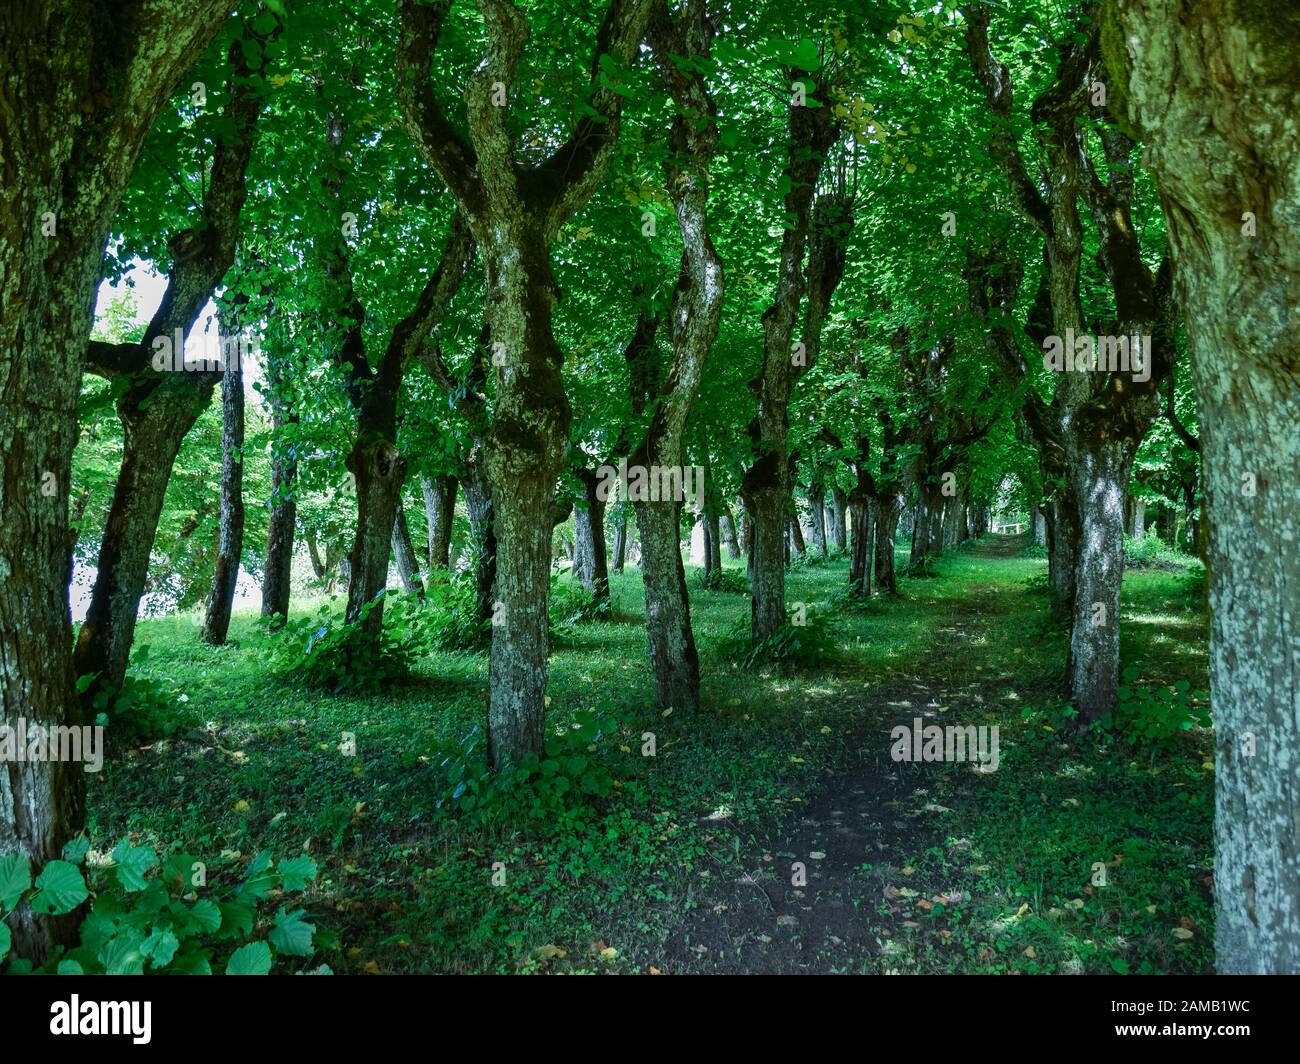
{"x": 1230, "y": 186}
{"x": 80, "y": 106}
{"x": 515, "y": 213}
{"x": 163, "y": 398}
{"x": 681, "y": 44}
{"x": 216, "y": 620}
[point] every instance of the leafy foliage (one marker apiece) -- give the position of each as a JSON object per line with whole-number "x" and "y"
{"x": 150, "y": 915}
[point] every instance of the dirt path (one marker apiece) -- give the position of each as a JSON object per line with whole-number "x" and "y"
{"x": 829, "y": 891}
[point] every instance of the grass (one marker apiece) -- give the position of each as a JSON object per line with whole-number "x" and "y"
{"x": 677, "y": 869}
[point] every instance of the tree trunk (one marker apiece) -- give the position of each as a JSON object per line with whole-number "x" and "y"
{"x": 277, "y": 578}
{"x": 839, "y": 506}
{"x": 796, "y": 536}
{"x": 766, "y": 484}
{"x": 817, "y": 506}
{"x": 589, "y": 528}
{"x": 860, "y": 541}
{"x": 439, "y": 508}
{"x": 620, "y": 538}
{"x": 674, "y": 661}
{"x": 155, "y": 419}
{"x": 729, "y": 534}
{"x": 81, "y": 94}
{"x": 230, "y": 546}
{"x": 1212, "y": 87}
{"x": 1099, "y": 477}
{"x": 1139, "y": 519}
{"x": 318, "y": 564}
{"x": 478, "y": 502}
{"x": 1062, "y": 554}
{"x": 378, "y": 470}
{"x": 408, "y": 565}
{"x": 887, "y": 513}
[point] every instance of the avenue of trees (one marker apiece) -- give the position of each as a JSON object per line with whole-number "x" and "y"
{"x": 469, "y": 256}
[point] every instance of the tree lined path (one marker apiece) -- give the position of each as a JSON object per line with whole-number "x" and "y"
{"x": 622, "y": 409}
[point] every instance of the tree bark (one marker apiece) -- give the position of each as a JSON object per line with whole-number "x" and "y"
{"x": 408, "y": 565}
{"x": 589, "y": 528}
{"x": 516, "y": 215}
{"x": 1213, "y": 89}
{"x": 439, "y": 509}
{"x": 674, "y": 661}
{"x": 887, "y": 513}
{"x": 230, "y": 545}
{"x": 478, "y": 502}
{"x": 620, "y": 539}
{"x": 817, "y": 506}
{"x": 729, "y": 534}
{"x": 1099, "y": 480}
{"x": 277, "y": 578}
{"x": 81, "y": 93}
{"x": 796, "y": 536}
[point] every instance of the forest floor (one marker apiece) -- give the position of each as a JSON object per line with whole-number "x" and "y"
{"x": 770, "y": 832}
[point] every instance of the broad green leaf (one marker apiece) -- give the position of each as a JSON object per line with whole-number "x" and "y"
{"x": 292, "y": 934}
{"x": 15, "y": 878}
{"x": 253, "y": 959}
{"x": 60, "y": 889}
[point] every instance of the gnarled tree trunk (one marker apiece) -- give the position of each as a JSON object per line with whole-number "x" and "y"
{"x": 230, "y": 545}
{"x": 439, "y": 508}
{"x": 1213, "y": 87}
{"x": 408, "y": 565}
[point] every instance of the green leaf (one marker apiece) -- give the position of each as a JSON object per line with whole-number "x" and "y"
{"x": 206, "y": 914}
{"x": 70, "y": 968}
{"x": 15, "y": 878}
{"x": 253, "y": 959}
{"x": 60, "y": 889}
{"x": 292, "y": 934}
{"x": 192, "y": 963}
{"x": 75, "y": 850}
{"x": 160, "y": 947}
{"x": 6, "y": 938}
{"x": 236, "y": 919}
{"x": 297, "y": 873}
{"x": 132, "y": 864}
{"x": 805, "y": 55}
{"x": 123, "y": 956}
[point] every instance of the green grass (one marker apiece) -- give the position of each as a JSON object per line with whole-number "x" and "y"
{"x": 407, "y": 886}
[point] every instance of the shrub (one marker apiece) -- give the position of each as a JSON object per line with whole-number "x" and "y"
{"x": 329, "y": 652}
{"x": 142, "y": 709}
{"x": 555, "y": 787}
{"x": 571, "y": 604}
{"x": 1156, "y": 715}
{"x": 446, "y": 619}
{"x": 793, "y": 645}
{"x": 1151, "y": 552}
{"x": 724, "y": 580}
{"x": 147, "y": 916}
